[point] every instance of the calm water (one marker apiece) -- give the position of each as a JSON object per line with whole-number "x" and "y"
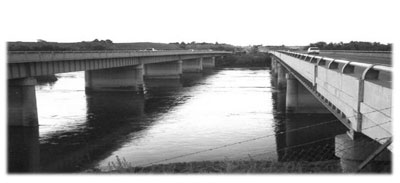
{"x": 224, "y": 114}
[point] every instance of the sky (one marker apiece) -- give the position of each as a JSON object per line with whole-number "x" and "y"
{"x": 237, "y": 22}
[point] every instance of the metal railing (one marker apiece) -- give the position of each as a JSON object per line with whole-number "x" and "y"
{"x": 356, "y": 51}
{"x": 115, "y": 51}
{"x": 319, "y": 59}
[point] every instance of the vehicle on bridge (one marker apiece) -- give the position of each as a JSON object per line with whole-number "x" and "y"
{"x": 150, "y": 49}
{"x": 313, "y": 50}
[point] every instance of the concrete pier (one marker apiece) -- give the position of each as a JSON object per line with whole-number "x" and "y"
{"x": 164, "y": 70}
{"x": 122, "y": 78}
{"x": 22, "y": 109}
{"x": 193, "y": 65}
{"x": 299, "y": 99}
{"x": 274, "y": 71}
{"x": 208, "y": 63}
{"x": 352, "y": 152}
{"x": 281, "y": 75}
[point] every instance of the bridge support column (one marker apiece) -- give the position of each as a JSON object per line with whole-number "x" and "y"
{"x": 208, "y": 63}
{"x": 353, "y": 152}
{"x": 192, "y": 65}
{"x": 273, "y": 64}
{"x": 299, "y": 99}
{"x": 281, "y": 75}
{"x": 22, "y": 109}
{"x": 115, "y": 79}
{"x": 164, "y": 70}
{"x": 274, "y": 68}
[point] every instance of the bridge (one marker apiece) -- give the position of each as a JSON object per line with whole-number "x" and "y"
{"x": 104, "y": 71}
{"x": 358, "y": 94}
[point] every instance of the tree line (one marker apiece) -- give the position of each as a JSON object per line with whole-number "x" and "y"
{"x": 352, "y": 45}
{"x": 203, "y": 46}
{"x": 42, "y": 45}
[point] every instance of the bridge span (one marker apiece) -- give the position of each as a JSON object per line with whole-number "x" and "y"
{"x": 358, "y": 94}
{"x": 104, "y": 71}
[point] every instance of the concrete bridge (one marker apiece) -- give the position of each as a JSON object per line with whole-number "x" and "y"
{"x": 358, "y": 94}
{"x": 104, "y": 71}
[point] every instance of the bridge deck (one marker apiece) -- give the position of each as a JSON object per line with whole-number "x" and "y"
{"x": 26, "y": 64}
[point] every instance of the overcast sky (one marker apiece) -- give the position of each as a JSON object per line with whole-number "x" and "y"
{"x": 246, "y": 22}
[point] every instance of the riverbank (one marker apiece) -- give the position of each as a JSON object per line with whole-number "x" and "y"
{"x": 235, "y": 167}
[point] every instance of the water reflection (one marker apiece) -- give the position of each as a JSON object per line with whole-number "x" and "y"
{"x": 210, "y": 111}
{"x": 303, "y": 137}
{"x": 310, "y": 137}
{"x": 23, "y": 149}
{"x": 80, "y": 130}
{"x": 191, "y": 79}
{"x": 163, "y": 84}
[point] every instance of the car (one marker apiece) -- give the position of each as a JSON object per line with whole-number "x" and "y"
{"x": 313, "y": 50}
{"x": 150, "y": 49}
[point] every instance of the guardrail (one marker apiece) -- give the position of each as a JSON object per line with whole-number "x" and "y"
{"x": 349, "y": 64}
{"x": 352, "y": 88}
{"x": 356, "y": 51}
{"x": 108, "y": 51}
{"x": 45, "y": 56}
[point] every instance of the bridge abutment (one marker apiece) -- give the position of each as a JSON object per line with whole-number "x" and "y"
{"x": 22, "y": 108}
{"x": 192, "y": 65}
{"x": 164, "y": 70}
{"x": 299, "y": 99}
{"x": 121, "y": 78}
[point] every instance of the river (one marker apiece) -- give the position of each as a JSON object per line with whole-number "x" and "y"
{"x": 224, "y": 114}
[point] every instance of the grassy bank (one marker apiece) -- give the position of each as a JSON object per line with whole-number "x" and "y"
{"x": 332, "y": 166}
